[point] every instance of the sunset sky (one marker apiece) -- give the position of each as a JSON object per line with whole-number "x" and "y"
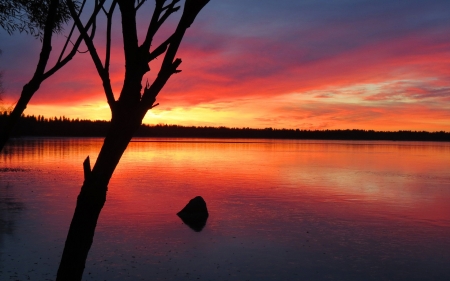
{"x": 308, "y": 64}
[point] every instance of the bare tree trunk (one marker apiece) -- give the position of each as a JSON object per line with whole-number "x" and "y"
{"x": 27, "y": 92}
{"x": 35, "y": 82}
{"x": 127, "y": 114}
{"x": 92, "y": 197}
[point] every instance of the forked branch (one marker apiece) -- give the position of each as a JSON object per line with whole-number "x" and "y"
{"x": 191, "y": 10}
{"x": 157, "y": 20}
{"x": 170, "y": 64}
{"x": 70, "y": 35}
{"x": 139, "y": 4}
{"x": 103, "y": 73}
{"x": 108, "y": 34}
{"x": 61, "y": 62}
{"x": 159, "y": 50}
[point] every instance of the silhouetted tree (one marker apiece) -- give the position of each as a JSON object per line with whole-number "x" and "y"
{"x": 47, "y": 17}
{"x": 127, "y": 111}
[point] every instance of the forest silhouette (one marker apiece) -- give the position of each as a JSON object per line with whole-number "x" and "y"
{"x": 31, "y": 125}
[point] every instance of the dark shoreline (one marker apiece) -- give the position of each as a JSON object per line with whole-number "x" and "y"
{"x": 32, "y": 126}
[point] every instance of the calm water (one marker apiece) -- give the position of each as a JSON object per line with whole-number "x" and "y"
{"x": 279, "y": 210}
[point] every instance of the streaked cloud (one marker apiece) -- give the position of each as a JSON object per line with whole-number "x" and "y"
{"x": 308, "y": 64}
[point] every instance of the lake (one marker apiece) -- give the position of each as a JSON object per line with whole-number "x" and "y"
{"x": 278, "y": 210}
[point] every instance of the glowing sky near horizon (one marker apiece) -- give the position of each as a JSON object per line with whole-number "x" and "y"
{"x": 312, "y": 64}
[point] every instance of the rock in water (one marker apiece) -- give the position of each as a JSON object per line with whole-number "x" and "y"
{"x": 195, "y": 207}
{"x": 195, "y": 214}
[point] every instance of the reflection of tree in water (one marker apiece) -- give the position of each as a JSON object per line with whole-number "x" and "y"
{"x": 9, "y": 209}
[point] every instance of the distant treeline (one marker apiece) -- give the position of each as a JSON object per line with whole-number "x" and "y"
{"x": 65, "y": 127}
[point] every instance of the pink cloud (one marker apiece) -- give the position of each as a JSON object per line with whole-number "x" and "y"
{"x": 357, "y": 70}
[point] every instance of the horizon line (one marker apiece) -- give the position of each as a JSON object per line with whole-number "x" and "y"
{"x": 42, "y": 118}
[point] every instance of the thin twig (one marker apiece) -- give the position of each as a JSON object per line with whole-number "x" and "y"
{"x": 108, "y": 35}
{"x": 104, "y": 75}
{"x": 70, "y": 34}
{"x": 140, "y": 4}
{"x": 80, "y": 52}
{"x": 72, "y": 53}
{"x": 152, "y": 27}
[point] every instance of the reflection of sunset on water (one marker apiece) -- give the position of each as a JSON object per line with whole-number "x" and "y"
{"x": 400, "y": 176}
{"x": 405, "y": 177}
{"x": 276, "y": 206}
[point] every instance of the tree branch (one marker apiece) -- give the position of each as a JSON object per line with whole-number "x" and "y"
{"x": 170, "y": 9}
{"x": 171, "y": 5}
{"x": 46, "y": 40}
{"x": 191, "y": 10}
{"x": 104, "y": 11}
{"x": 140, "y": 4}
{"x": 150, "y": 92}
{"x": 157, "y": 20}
{"x": 87, "y": 168}
{"x": 129, "y": 33}
{"x": 94, "y": 24}
{"x": 108, "y": 34}
{"x": 153, "y": 25}
{"x": 70, "y": 34}
{"x": 159, "y": 50}
{"x": 169, "y": 65}
{"x": 72, "y": 53}
{"x": 104, "y": 75}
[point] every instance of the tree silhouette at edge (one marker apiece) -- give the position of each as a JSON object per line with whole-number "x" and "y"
{"x": 53, "y": 20}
